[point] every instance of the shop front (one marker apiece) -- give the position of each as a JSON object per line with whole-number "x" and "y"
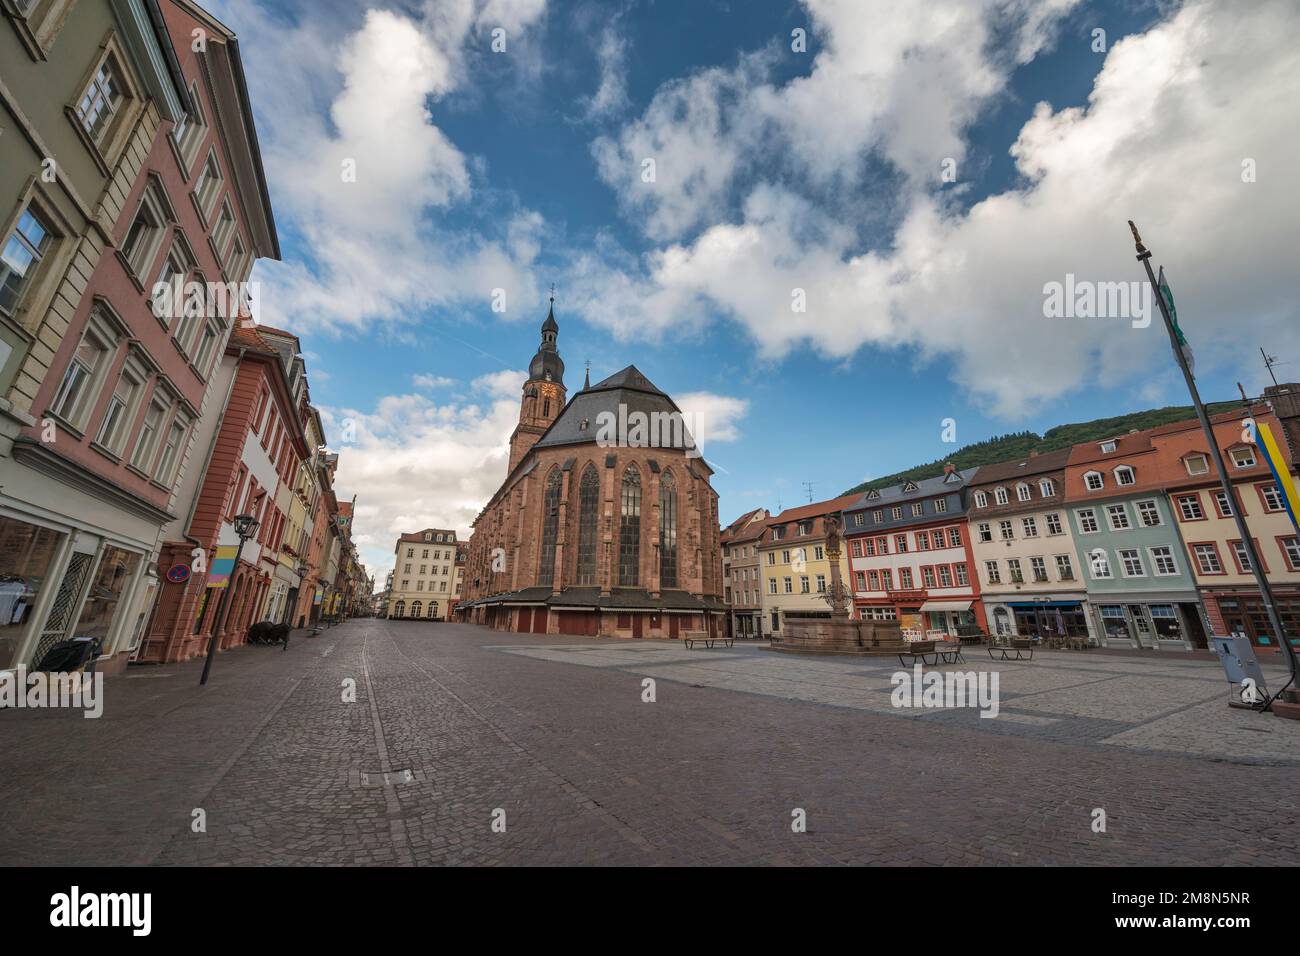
{"x": 1169, "y": 622}
{"x": 1243, "y": 613}
{"x": 948, "y": 617}
{"x": 1050, "y": 618}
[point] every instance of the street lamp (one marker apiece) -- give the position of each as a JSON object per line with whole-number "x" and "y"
{"x": 245, "y": 527}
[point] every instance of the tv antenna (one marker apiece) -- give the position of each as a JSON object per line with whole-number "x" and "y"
{"x": 808, "y": 487}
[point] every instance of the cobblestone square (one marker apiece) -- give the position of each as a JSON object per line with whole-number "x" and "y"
{"x": 552, "y": 738}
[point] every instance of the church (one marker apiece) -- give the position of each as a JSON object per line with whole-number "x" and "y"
{"x": 588, "y": 536}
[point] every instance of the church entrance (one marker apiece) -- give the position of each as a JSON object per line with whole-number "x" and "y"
{"x": 674, "y": 626}
{"x": 539, "y": 620}
{"x": 636, "y": 625}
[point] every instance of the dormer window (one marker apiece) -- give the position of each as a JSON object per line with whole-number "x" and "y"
{"x": 1108, "y": 446}
{"x": 1124, "y": 475}
{"x": 1243, "y": 457}
{"x": 1022, "y": 492}
{"x": 873, "y": 493}
{"x": 981, "y": 500}
{"x": 1047, "y": 488}
{"x": 909, "y": 486}
{"x": 1000, "y": 496}
{"x": 1197, "y": 464}
{"x": 1093, "y": 481}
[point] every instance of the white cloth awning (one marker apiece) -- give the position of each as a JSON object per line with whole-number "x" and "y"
{"x": 946, "y": 605}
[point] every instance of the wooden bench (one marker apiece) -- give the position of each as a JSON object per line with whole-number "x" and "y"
{"x": 950, "y": 652}
{"x": 689, "y": 638}
{"x": 1019, "y": 649}
{"x": 922, "y": 649}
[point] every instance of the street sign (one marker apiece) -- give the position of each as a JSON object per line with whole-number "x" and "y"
{"x": 178, "y": 573}
{"x": 1242, "y": 669}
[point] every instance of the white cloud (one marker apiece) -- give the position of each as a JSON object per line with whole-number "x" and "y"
{"x": 423, "y": 380}
{"x": 711, "y": 417}
{"x": 611, "y": 56}
{"x": 1172, "y": 115}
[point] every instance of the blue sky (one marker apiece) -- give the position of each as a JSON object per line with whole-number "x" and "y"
{"x": 481, "y": 170}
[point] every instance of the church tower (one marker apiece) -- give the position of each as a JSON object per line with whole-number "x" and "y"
{"x": 544, "y": 392}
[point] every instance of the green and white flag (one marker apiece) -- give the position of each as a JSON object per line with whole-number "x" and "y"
{"x": 1173, "y": 315}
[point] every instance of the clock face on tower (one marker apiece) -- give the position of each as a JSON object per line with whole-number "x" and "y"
{"x": 549, "y": 391}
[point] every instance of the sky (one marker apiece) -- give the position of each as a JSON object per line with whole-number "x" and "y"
{"x": 827, "y": 228}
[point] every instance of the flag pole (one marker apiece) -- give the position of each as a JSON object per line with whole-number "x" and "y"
{"x": 1265, "y": 592}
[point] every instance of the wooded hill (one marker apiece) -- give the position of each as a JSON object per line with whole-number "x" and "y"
{"x": 1019, "y": 444}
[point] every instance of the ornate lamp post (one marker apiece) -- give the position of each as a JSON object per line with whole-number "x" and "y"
{"x": 245, "y": 527}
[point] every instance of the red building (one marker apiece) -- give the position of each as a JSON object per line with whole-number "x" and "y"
{"x": 259, "y": 446}
{"x": 910, "y": 556}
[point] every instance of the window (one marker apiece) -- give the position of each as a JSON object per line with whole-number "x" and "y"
{"x": 1030, "y": 527}
{"x": 1243, "y": 558}
{"x": 859, "y": 581}
{"x": 1087, "y": 521}
{"x": 1022, "y": 492}
{"x": 981, "y": 499}
{"x": 954, "y": 537}
{"x": 855, "y": 548}
{"x": 900, "y": 541}
{"x": 1207, "y": 558}
{"x": 1243, "y": 457}
{"x": 21, "y": 258}
{"x": 985, "y": 532}
{"x": 101, "y": 100}
{"x": 629, "y": 536}
{"x": 874, "y": 578}
{"x": 1000, "y": 496}
{"x": 1047, "y": 488}
{"x": 588, "y": 503}
{"x": 73, "y": 399}
{"x": 1099, "y": 561}
{"x": 959, "y": 571}
{"x": 410, "y": 553}
{"x": 771, "y": 585}
{"x": 1013, "y": 568}
{"x": 927, "y": 577}
{"x": 1291, "y": 550}
{"x": 940, "y": 505}
{"x": 1196, "y": 464}
{"x": 918, "y": 509}
{"x": 896, "y": 513}
{"x": 788, "y": 583}
{"x": 1124, "y": 475}
{"x": 1039, "y": 567}
{"x": 771, "y": 557}
{"x": 905, "y": 577}
{"x": 145, "y": 235}
{"x": 1272, "y": 498}
{"x": 172, "y": 449}
{"x": 803, "y": 584}
{"x": 945, "y": 576}
{"x": 1093, "y": 481}
{"x": 1131, "y": 563}
{"x": 121, "y": 409}
{"x": 1064, "y": 568}
{"x": 1108, "y": 446}
{"x": 224, "y": 227}
{"x": 887, "y": 580}
{"x": 1189, "y": 506}
{"x": 208, "y": 184}
{"x": 550, "y": 529}
{"x": 1163, "y": 561}
{"x": 1148, "y": 513}
{"x": 878, "y": 516}
{"x": 1004, "y": 529}
{"x": 147, "y": 440}
{"x": 882, "y": 545}
{"x": 1117, "y": 516}
{"x": 992, "y": 573}
{"x": 859, "y": 519}
{"x": 923, "y": 541}
{"x": 819, "y": 553}
{"x": 1054, "y": 524}
{"x": 821, "y": 584}
{"x": 785, "y": 557}
{"x": 1222, "y": 503}
{"x": 668, "y": 531}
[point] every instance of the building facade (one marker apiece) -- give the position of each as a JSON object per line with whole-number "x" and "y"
{"x": 424, "y": 575}
{"x": 792, "y": 559}
{"x": 742, "y": 576}
{"x": 1023, "y": 549}
{"x": 596, "y": 530}
{"x": 910, "y": 556}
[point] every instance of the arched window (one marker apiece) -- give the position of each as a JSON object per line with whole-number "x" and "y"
{"x": 433, "y": 609}
{"x": 668, "y": 531}
{"x": 399, "y": 609}
{"x": 415, "y": 609}
{"x": 629, "y": 530}
{"x": 588, "y": 503}
{"x": 550, "y": 528}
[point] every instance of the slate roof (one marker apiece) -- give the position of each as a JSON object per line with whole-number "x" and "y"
{"x": 925, "y": 488}
{"x": 629, "y": 388}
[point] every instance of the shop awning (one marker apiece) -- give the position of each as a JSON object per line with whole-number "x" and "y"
{"x": 946, "y": 605}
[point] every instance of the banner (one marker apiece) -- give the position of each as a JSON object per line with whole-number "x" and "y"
{"x": 222, "y": 565}
{"x": 1276, "y": 461}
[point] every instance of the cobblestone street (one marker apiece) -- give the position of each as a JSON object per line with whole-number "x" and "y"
{"x": 555, "y": 734}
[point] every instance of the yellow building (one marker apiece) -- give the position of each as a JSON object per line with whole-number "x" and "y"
{"x": 792, "y": 563}
{"x": 425, "y": 575}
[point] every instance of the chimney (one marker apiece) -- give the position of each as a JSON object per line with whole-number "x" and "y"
{"x": 948, "y": 468}
{"x": 1285, "y": 401}
{"x": 1033, "y": 453}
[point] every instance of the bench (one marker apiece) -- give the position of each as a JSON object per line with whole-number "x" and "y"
{"x": 689, "y": 638}
{"x": 950, "y": 652}
{"x": 922, "y": 649}
{"x": 1019, "y": 649}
